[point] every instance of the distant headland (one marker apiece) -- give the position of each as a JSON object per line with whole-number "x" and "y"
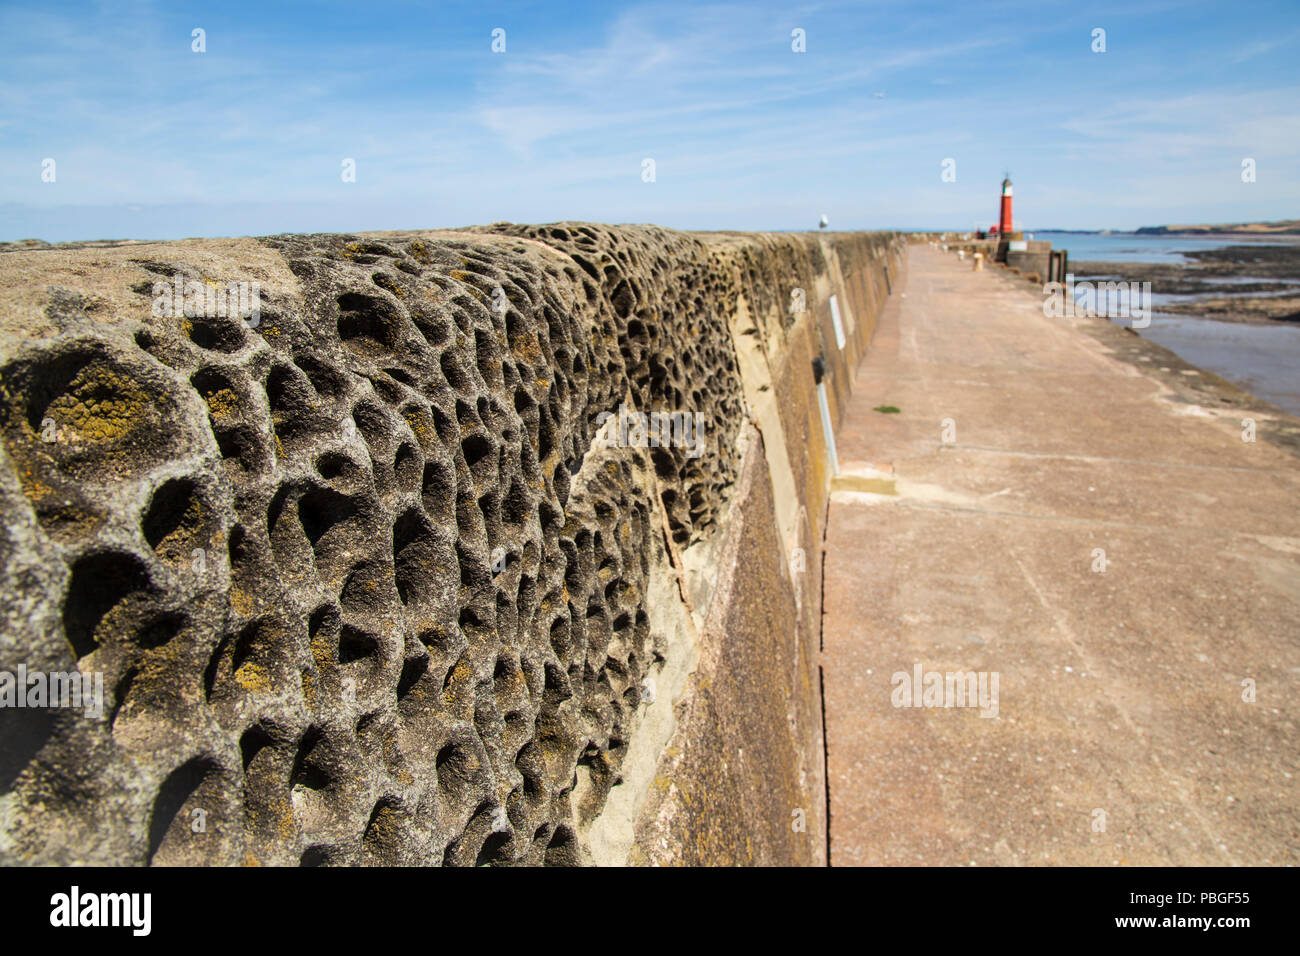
{"x": 1278, "y": 227}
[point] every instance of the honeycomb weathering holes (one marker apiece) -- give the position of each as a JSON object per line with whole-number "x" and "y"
{"x": 368, "y": 323}
{"x": 102, "y": 587}
{"x": 474, "y": 585}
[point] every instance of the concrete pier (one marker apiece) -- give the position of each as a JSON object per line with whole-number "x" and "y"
{"x": 1043, "y": 509}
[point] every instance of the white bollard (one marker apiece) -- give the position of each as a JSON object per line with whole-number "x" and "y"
{"x": 979, "y": 262}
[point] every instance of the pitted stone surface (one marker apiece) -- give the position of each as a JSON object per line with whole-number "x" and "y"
{"x": 360, "y": 584}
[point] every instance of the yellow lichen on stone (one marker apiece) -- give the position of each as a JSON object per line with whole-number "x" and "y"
{"x": 223, "y": 403}
{"x": 253, "y": 677}
{"x": 418, "y": 426}
{"x": 186, "y": 531}
{"x": 386, "y": 825}
{"x": 98, "y": 406}
{"x": 285, "y": 818}
{"x": 321, "y": 652}
{"x": 32, "y": 488}
{"x": 527, "y": 349}
{"x": 242, "y": 601}
{"x": 310, "y": 694}
{"x": 384, "y": 282}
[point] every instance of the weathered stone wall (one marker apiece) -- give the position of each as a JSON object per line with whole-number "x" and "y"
{"x": 373, "y": 580}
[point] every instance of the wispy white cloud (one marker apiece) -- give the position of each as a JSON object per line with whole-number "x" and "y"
{"x": 738, "y": 124}
{"x": 1263, "y": 47}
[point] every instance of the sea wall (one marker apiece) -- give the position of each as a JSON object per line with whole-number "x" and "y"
{"x": 390, "y": 572}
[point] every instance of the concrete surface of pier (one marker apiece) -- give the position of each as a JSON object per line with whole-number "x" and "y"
{"x": 969, "y": 531}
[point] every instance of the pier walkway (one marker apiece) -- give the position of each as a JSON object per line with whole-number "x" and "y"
{"x": 1127, "y": 567}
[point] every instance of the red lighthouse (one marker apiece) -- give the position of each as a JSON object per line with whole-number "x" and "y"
{"x": 1004, "y": 221}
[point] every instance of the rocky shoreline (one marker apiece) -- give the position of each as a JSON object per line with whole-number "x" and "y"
{"x": 1253, "y": 284}
{"x": 1196, "y": 385}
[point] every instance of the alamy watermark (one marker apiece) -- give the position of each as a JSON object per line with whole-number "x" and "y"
{"x": 1098, "y": 300}
{"x": 130, "y": 910}
{"x": 26, "y": 688}
{"x": 208, "y": 299}
{"x": 923, "y": 688}
{"x": 656, "y": 430}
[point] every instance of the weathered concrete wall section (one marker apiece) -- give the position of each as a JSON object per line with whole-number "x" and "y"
{"x": 375, "y": 580}
{"x": 744, "y": 779}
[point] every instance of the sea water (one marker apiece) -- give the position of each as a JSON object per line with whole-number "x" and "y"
{"x": 1263, "y": 359}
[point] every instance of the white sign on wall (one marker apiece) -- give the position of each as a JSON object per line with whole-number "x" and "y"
{"x": 835, "y": 320}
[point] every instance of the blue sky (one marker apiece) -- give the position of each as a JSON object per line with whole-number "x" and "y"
{"x": 152, "y": 140}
